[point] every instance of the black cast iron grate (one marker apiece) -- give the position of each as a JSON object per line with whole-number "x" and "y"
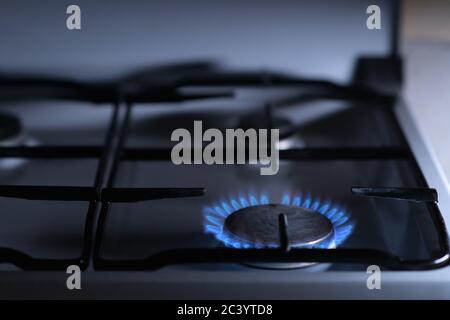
{"x": 122, "y": 94}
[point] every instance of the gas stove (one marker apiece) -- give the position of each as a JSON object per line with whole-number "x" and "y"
{"x": 86, "y": 179}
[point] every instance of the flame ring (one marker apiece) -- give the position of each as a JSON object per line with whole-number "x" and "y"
{"x": 215, "y": 215}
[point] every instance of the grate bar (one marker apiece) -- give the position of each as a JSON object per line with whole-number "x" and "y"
{"x": 145, "y": 194}
{"x": 295, "y": 255}
{"x": 56, "y": 193}
{"x": 410, "y": 194}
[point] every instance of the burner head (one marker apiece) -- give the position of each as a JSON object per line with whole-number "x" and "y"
{"x": 10, "y": 127}
{"x": 12, "y": 135}
{"x": 252, "y": 222}
{"x": 259, "y": 225}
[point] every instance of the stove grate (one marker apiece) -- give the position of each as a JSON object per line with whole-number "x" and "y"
{"x": 103, "y": 193}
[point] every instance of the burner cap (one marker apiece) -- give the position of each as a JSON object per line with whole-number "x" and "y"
{"x": 259, "y": 225}
{"x": 10, "y": 127}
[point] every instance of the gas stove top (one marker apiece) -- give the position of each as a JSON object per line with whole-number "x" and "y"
{"x": 96, "y": 187}
{"x": 87, "y": 178}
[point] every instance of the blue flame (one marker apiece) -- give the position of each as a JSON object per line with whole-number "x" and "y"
{"x": 215, "y": 215}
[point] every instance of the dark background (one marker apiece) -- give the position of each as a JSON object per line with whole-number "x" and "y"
{"x": 319, "y": 38}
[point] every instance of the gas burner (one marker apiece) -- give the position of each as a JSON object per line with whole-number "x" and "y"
{"x": 12, "y": 135}
{"x": 252, "y": 222}
{"x": 260, "y": 120}
{"x": 10, "y": 130}
{"x": 259, "y": 225}
{"x": 264, "y": 120}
